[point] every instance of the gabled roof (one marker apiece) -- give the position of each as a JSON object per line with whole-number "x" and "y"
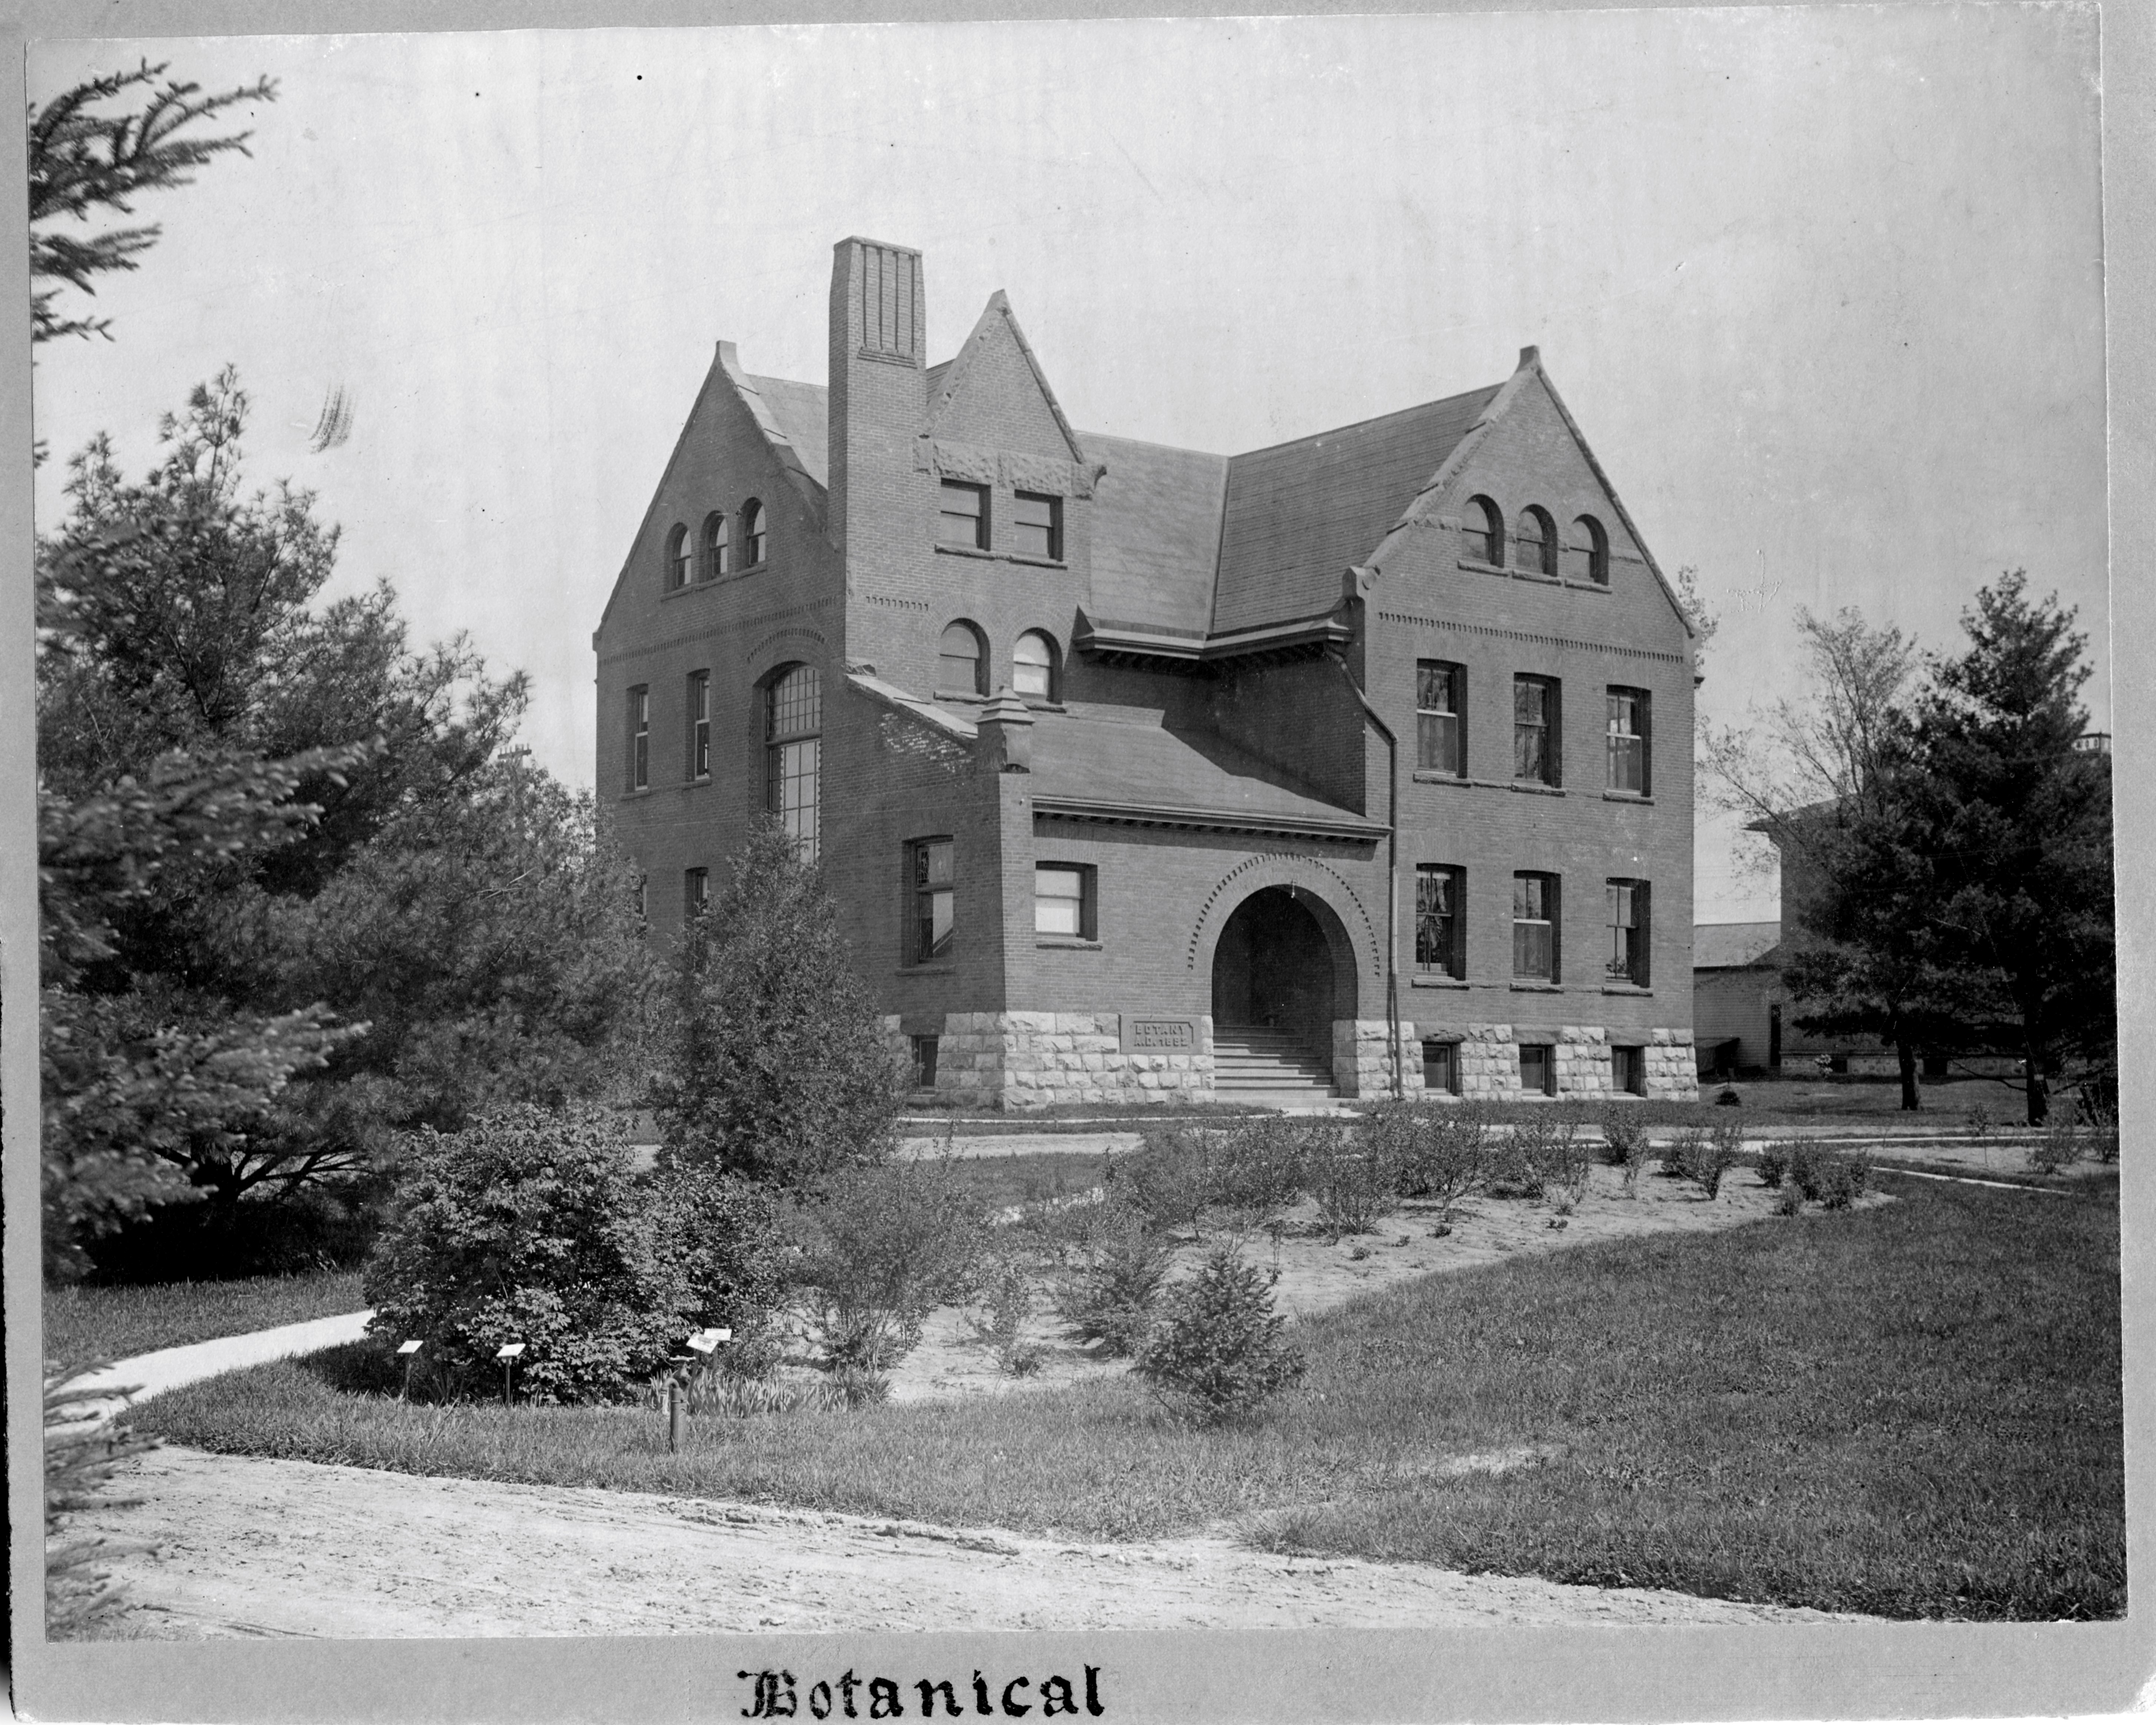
{"x": 1732, "y": 946}
{"x": 945, "y": 379}
{"x": 1298, "y": 514}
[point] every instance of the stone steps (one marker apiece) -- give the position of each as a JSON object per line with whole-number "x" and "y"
{"x": 1252, "y": 1063}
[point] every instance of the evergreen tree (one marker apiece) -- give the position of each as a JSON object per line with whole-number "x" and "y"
{"x": 777, "y": 1066}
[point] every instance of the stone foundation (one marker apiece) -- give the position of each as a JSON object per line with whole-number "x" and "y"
{"x": 1360, "y": 1065}
{"x": 1021, "y": 1060}
{"x": 1672, "y": 1067}
{"x": 1489, "y": 1062}
{"x": 1583, "y": 1066}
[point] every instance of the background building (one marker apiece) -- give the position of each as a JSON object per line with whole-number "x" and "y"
{"x": 1360, "y": 762}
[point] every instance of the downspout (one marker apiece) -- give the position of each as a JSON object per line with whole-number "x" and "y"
{"x": 1391, "y": 872}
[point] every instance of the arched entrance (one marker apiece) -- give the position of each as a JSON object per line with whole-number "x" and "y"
{"x": 1273, "y": 968}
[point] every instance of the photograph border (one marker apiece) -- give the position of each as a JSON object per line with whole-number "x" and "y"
{"x": 1917, "y": 1670}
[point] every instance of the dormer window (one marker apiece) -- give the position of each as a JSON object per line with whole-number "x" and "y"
{"x": 1037, "y": 525}
{"x": 962, "y": 516}
{"x": 752, "y": 533}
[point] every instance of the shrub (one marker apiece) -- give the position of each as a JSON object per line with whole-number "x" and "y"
{"x": 1442, "y": 1152}
{"x": 1677, "y": 1156}
{"x": 1248, "y": 1166}
{"x": 1218, "y": 1350}
{"x": 1005, "y": 1316}
{"x": 1352, "y": 1178}
{"x": 528, "y": 1226}
{"x": 1111, "y": 1296}
{"x": 1841, "y": 1181}
{"x": 1789, "y": 1201}
{"x": 884, "y": 1246}
{"x": 1773, "y": 1163}
{"x": 1624, "y": 1133}
{"x": 1167, "y": 1178}
{"x": 1545, "y": 1155}
{"x": 777, "y": 1065}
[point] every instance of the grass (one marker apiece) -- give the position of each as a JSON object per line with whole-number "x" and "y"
{"x": 1912, "y": 1410}
{"x": 84, "y": 1325}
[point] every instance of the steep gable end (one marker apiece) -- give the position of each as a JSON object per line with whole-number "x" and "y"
{"x": 992, "y": 393}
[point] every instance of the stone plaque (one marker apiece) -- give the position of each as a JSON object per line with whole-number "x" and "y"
{"x": 1144, "y": 1034}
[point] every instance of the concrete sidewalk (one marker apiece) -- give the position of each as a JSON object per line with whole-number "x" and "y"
{"x": 148, "y": 1374}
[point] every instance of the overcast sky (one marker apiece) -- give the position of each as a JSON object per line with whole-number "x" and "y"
{"x": 1823, "y": 286}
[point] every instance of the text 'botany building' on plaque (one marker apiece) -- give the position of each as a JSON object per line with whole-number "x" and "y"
{"x": 1142, "y": 1034}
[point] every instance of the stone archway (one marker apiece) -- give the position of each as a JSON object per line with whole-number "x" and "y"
{"x": 1283, "y": 963}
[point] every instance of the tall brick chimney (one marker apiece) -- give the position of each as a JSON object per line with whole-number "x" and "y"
{"x": 878, "y": 385}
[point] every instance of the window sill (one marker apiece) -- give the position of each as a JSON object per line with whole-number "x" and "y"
{"x": 637, "y": 795}
{"x": 927, "y": 970}
{"x": 1034, "y": 562}
{"x": 1477, "y": 566}
{"x": 966, "y": 696}
{"x": 1538, "y": 988}
{"x": 1628, "y": 797}
{"x": 1528, "y": 789}
{"x": 964, "y": 550}
{"x": 1626, "y": 988}
{"x": 704, "y": 584}
{"x": 991, "y": 556}
{"x": 1601, "y": 586}
{"x": 1439, "y": 982}
{"x": 1067, "y": 942}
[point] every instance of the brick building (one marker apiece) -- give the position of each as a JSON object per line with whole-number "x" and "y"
{"x": 1140, "y": 772}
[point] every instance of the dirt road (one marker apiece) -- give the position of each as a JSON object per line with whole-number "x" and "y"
{"x": 263, "y": 1547}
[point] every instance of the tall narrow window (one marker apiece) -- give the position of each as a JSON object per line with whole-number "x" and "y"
{"x": 1441, "y": 1068}
{"x": 1627, "y": 931}
{"x": 1483, "y": 527}
{"x": 700, "y": 724}
{"x": 1628, "y": 741}
{"x": 1535, "y": 927}
{"x": 1441, "y": 717}
{"x": 753, "y": 536}
{"x": 793, "y": 727}
{"x": 1439, "y": 929}
{"x": 923, "y": 1049}
{"x": 1037, "y": 525}
{"x": 933, "y": 910}
{"x": 695, "y": 892}
{"x": 1628, "y": 1071}
{"x": 1588, "y": 552}
{"x": 1537, "y": 1069}
{"x": 961, "y": 665}
{"x": 1535, "y": 542}
{"x": 718, "y": 549}
{"x": 640, "y": 737}
{"x": 1535, "y": 730}
{"x": 680, "y": 557}
{"x": 961, "y": 516}
{"x": 1033, "y": 667}
{"x": 1063, "y": 900}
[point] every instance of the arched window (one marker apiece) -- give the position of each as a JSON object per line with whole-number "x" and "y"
{"x": 753, "y": 534}
{"x": 1587, "y": 554}
{"x": 1033, "y": 667}
{"x": 961, "y": 661}
{"x": 793, "y": 752}
{"x": 1534, "y": 543}
{"x": 717, "y": 550}
{"x": 680, "y": 557}
{"x": 1485, "y": 528}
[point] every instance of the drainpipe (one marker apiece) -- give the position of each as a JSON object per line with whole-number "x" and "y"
{"x": 1391, "y": 872}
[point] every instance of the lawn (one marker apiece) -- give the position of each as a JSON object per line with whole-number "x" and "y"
{"x": 86, "y": 1325}
{"x": 1912, "y": 1410}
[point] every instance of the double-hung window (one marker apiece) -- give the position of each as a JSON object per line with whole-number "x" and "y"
{"x": 1535, "y": 925}
{"x": 640, "y": 737}
{"x": 932, "y": 904}
{"x": 1629, "y": 930}
{"x": 755, "y": 539}
{"x": 1535, "y": 730}
{"x": 792, "y": 753}
{"x": 695, "y": 892}
{"x": 1037, "y": 525}
{"x": 1628, "y": 741}
{"x": 1439, "y": 929}
{"x": 700, "y": 724}
{"x": 1063, "y": 900}
{"x": 1441, "y": 717}
{"x": 961, "y": 516}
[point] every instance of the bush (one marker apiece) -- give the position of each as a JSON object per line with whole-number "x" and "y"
{"x": 1442, "y": 1152}
{"x": 1826, "y": 1178}
{"x": 1249, "y": 1166}
{"x": 1218, "y": 1350}
{"x": 528, "y": 1226}
{"x": 1773, "y": 1163}
{"x": 1353, "y": 1181}
{"x": 1624, "y": 1133}
{"x": 777, "y": 1066}
{"x": 1111, "y": 1296}
{"x": 884, "y": 1246}
{"x": 1545, "y": 1155}
{"x": 1003, "y": 1323}
{"x": 1712, "y": 1156}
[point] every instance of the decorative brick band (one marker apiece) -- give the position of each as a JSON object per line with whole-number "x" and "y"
{"x": 1521, "y": 634}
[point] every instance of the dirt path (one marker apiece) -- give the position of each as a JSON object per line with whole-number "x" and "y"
{"x": 252, "y": 1547}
